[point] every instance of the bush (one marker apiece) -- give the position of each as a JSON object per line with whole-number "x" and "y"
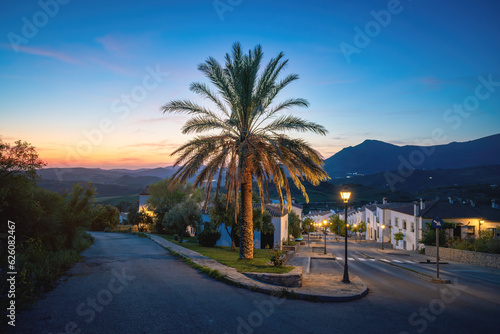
{"x": 208, "y": 238}
{"x": 176, "y": 237}
{"x": 276, "y": 255}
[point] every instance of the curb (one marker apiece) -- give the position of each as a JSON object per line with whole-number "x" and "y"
{"x": 277, "y": 291}
{"x": 420, "y": 275}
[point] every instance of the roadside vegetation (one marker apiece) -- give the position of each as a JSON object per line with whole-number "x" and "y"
{"x": 48, "y": 228}
{"x": 485, "y": 243}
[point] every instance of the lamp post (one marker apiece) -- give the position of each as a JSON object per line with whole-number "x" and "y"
{"x": 383, "y": 227}
{"x": 345, "y": 194}
{"x": 324, "y": 232}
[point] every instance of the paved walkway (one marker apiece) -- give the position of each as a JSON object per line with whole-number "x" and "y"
{"x": 315, "y": 287}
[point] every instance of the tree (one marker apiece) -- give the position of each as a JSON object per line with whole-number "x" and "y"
{"x": 399, "y": 236}
{"x": 183, "y": 215}
{"x": 310, "y": 222}
{"x": 337, "y": 225}
{"x": 294, "y": 224}
{"x": 249, "y": 140}
{"x": 79, "y": 210}
{"x": 107, "y": 216}
{"x": 165, "y": 194}
{"x": 19, "y": 159}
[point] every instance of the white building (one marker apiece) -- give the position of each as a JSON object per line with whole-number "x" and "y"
{"x": 260, "y": 241}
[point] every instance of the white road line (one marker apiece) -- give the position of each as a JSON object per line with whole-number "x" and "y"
{"x": 350, "y": 259}
{"x": 397, "y": 261}
{"x": 371, "y": 260}
{"x": 385, "y": 260}
{"x": 409, "y": 261}
{"x": 360, "y": 259}
{"x": 339, "y": 258}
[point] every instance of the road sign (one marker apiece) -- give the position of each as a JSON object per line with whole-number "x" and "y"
{"x": 437, "y": 223}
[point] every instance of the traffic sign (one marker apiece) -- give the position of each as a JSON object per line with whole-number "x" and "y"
{"x": 437, "y": 223}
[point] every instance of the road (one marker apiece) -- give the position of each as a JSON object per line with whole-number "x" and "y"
{"x": 131, "y": 285}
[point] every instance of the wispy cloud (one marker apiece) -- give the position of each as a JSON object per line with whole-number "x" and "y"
{"x": 45, "y": 53}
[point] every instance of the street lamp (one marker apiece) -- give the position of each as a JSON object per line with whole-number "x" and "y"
{"x": 345, "y": 194}
{"x": 383, "y": 227}
{"x": 324, "y": 232}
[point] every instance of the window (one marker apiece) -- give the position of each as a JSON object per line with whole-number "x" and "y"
{"x": 396, "y": 221}
{"x": 413, "y": 227}
{"x": 404, "y": 224}
{"x": 471, "y": 230}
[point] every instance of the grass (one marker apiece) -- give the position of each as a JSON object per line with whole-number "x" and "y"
{"x": 115, "y": 200}
{"x": 229, "y": 258}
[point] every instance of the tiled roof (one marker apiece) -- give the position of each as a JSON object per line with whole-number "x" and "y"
{"x": 458, "y": 210}
{"x": 445, "y": 209}
{"x": 274, "y": 210}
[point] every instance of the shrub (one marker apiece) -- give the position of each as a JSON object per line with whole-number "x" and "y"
{"x": 276, "y": 255}
{"x": 176, "y": 237}
{"x": 208, "y": 238}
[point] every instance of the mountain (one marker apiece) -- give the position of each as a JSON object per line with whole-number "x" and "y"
{"x": 424, "y": 180}
{"x": 99, "y": 175}
{"x": 373, "y": 156}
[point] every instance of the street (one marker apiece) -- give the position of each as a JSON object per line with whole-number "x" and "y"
{"x": 128, "y": 284}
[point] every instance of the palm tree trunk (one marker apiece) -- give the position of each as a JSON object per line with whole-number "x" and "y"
{"x": 246, "y": 239}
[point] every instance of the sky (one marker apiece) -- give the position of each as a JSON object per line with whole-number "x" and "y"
{"x": 84, "y": 81}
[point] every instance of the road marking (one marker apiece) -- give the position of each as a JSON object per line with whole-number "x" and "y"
{"x": 360, "y": 259}
{"x": 371, "y": 260}
{"x": 385, "y": 260}
{"x": 397, "y": 261}
{"x": 350, "y": 258}
{"x": 339, "y": 258}
{"x": 409, "y": 261}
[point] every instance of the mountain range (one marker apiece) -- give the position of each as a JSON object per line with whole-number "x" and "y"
{"x": 366, "y": 164}
{"x": 373, "y": 156}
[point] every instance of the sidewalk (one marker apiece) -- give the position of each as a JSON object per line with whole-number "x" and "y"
{"x": 315, "y": 287}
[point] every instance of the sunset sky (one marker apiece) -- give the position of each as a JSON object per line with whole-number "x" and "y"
{"x": 83, "y": 81}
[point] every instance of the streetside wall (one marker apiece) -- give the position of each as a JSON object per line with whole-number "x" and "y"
{"x": 469, "y": 257}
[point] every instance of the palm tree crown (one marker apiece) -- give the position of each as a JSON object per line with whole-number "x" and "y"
{"x": 246, "y": 139}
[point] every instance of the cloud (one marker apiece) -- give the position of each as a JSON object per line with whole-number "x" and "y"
{"x": 46, "y": 53}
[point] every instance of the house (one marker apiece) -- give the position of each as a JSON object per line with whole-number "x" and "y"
{"x": 467, "y": 218}
{"x": 378, "y": 220}
{"x": 260, "y": 241}
{"x": 143, "y": 206}
{"x": 319, "y": 216}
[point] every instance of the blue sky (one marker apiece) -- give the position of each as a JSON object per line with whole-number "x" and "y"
{"x": 65, "y": 84}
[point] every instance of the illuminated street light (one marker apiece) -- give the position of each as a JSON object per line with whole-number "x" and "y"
{"x": 345, "y": 194}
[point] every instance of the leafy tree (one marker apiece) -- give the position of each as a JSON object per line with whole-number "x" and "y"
{"x": 107, "y": 217}
{"x": 310, "y": 222}
{"x": 79, "y": 211}
{"x": 337, "y": 225}
{"x": 249, "y": 140}
{"x": 20, "y": 159}
{"x": 362, "y": 226}
{"x": 183, "y": 215}
{"x": 165, "y": 194}
{"x": 222, "y": 212}
{"x": 294, "y": 224}
{"x": 399, "y": 236}
{"x": 429, "y": 234}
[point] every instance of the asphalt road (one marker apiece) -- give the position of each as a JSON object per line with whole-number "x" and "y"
{"x": 131, "y": 285}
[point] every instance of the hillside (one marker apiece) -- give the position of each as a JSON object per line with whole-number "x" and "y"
{"x": 374, "y": 156}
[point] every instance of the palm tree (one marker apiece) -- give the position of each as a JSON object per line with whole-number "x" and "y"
{"x": 246, "y": 138}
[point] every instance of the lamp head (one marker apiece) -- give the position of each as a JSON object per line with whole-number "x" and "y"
{"x": 345, "y": 194}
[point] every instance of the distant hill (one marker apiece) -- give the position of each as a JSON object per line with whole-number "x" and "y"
{"x": 373, "y": 156}
{"x": 103, "y": 175}
{"x": 423, "y": 180}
